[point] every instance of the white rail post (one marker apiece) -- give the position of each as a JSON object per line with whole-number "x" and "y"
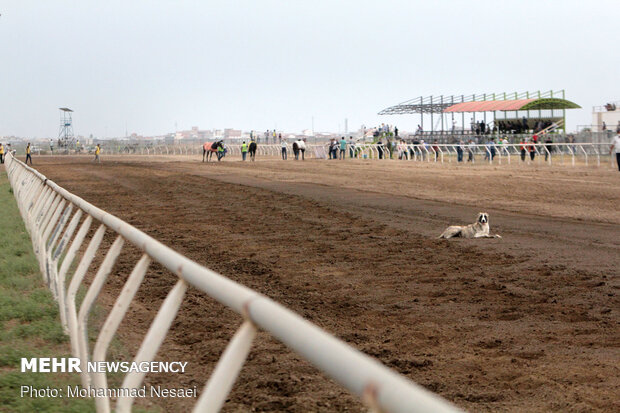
{"x": 154, "y": 337}
{"x": 92, "y": 294}
{"x": 584, "y": 153}
{"x": 227, "y": 370}
{"x": 112, "y": 323}
{"x": 598, "y": 156}
{"x": 55, "y": 254}
{"x": 76, "y": 281}
{"x": 572, "y": 153}
{"x": 547, "y": 153}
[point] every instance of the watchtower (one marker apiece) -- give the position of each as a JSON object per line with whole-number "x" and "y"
{"x": 65, "y": 134}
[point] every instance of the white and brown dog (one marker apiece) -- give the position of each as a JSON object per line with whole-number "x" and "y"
{"x": 479, "y": 229}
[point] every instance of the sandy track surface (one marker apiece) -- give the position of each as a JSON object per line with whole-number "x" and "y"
{"x": 526, "y": 323}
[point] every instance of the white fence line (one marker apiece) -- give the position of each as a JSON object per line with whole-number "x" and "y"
{"x": 418, "y": 152}
{"x": 47, "y": 211}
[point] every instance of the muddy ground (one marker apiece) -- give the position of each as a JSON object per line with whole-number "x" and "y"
{"x": 529, "y": 322}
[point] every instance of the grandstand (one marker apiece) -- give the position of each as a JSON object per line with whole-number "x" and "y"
{"x": 499, "y": 112}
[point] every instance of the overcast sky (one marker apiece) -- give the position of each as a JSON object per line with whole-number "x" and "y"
{"x": 258, "y": 64}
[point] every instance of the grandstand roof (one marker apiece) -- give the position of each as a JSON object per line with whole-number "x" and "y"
{"x": 490, "y": 105}
{"x": 517, "y": 104}
{"x": 488, "y": 102}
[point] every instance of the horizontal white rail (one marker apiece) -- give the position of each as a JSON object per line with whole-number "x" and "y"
{"x": 47, "y": 211}
{"x": 427, "y": 152}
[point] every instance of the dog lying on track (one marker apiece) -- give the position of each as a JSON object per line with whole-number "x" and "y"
{"x": 479, "y": 229}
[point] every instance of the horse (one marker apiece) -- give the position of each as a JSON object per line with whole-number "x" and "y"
{"x": 299, "y": 146}
{"x": 252, "y": 150}
{"x": 209, "y": 148}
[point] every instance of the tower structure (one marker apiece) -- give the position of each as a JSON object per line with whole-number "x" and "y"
{"x": 65, "y": 133}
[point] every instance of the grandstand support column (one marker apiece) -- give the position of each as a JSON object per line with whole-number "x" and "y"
{"x": 421, "y": 113}
{"x": 473, "y": 115}
{"x": 452, "y": 128}
{"x": 484, "y": 114}
{"x": 441, "y": 114}
{"x": 494, "y": 121}
{"x": 551, "y": 95}
{"x": 563, "y": 114}
{"x": 463, "y": 113}
{"x": 432, "y": 122}
{"x": 527, "y": 96}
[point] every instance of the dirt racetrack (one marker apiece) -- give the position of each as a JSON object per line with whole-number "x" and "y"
{"x": 529, "y": 322}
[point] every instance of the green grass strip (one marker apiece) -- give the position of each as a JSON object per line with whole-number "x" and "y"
{"x": 29, "y": 319}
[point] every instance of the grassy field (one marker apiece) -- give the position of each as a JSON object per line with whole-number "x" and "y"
{"x": 30, "y": 321}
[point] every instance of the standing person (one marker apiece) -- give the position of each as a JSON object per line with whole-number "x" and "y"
{"x": 97, "y": 152}
{"x": 220, "y": 151}
{"x": 470, "y": 149}
{"x": 333, "y": 148}
{"x": 453, "y": 125}
{"x": 435, "y": 149}
{"x": 549, "y": 147}
{"x": 283, "y": 143}
{"x": 343, "y": 147}
{"x": 500, "y": 146}
{"x": 618, "y": 127}
{"x": 28, "y": 154}
{"x": 532, "y": 150}
{"x": 244, "y": 150}
{"x": 279, "y": 137}
{"x": 395, "y": 131}
{"x": 252, "y": 150}
{"x": 459, "y": 151}
{"x": 523, "y": 150}
{"x": 274, "y": 136}
{"x": 1, "y": 153}
{"x": 492, "y": 148}
{"x": 615, "y": 145}
{"x": 351, "y": 147}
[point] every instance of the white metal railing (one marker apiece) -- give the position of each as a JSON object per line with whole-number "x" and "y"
{"x": 441, "y": 153}
{"x": 428, "y": 152}
{"x": 52, "y": 216}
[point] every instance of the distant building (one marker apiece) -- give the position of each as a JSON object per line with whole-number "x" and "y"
{"x": 609, "y": 113}
{"x": 232, "y": 133}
